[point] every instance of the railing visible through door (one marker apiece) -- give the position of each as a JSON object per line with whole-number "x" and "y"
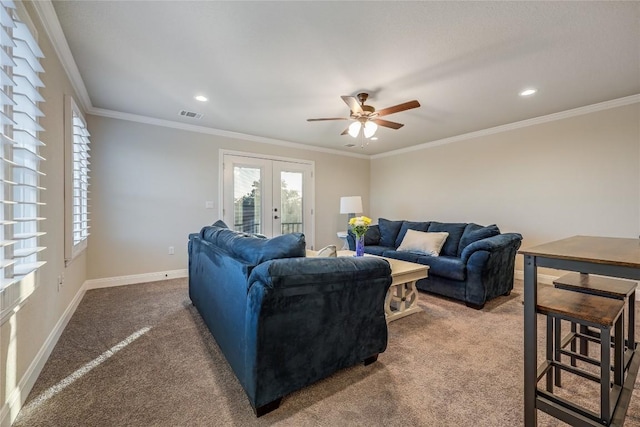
{"x": 287, "y": 227}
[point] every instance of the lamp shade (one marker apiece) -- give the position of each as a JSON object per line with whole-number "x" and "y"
{"x": 370, "y": 129}
{"x": 354, "y": 129}
{"x": 350, "y": 204}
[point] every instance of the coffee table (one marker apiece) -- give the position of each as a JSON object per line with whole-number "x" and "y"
{"x": 402, "y": 297}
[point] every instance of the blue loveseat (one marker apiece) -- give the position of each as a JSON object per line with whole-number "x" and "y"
{"x": 282, "y": 320}
{"x": 475, "y": 264}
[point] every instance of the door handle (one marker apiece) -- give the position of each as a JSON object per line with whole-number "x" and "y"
{"x": 276, "y": 217}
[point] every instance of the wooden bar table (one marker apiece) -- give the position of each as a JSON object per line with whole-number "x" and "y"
{"x": 607, "y": 256}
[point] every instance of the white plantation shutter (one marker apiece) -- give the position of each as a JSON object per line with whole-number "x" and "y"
{"x": 76, "y": 181}
{"x": 80, "y": 180}
{"x": 20, "y": 161}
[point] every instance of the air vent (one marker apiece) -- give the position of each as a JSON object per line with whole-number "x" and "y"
{"x": 190, "y": 114}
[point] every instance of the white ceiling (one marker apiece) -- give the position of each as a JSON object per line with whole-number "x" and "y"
{"x": 268, "y": 66}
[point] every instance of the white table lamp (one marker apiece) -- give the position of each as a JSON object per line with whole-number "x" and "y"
{"x": 351, "y": 205}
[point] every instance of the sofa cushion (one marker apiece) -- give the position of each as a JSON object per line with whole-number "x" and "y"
{"x": 404, "y": 256}
{"x": 372, "y": 236}
{"x": 455, "y": 231}
{"x": 255, "y": 250}
{"x": 377, "y": 249}
{"x": 423, "y": 243}
{"x": 410, "y": 225}
{"x": 220, "y": 223}
{"x": 389, "y": 231}
{"x": 328, "y": 251}
{"x": 475, "y": 232}
{"x": 444, "y": 266}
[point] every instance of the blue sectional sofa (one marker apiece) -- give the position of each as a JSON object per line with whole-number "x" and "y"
{"x": 282, "y": 320}
{"x": 475, "y": 264}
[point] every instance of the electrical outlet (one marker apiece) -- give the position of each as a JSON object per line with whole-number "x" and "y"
{"x": 171, "y": 250}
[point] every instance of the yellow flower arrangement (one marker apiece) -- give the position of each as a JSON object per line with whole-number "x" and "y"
{"x": 359, "y": 225}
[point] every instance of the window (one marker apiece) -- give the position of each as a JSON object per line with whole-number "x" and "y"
{"x": 20, "y": 161}
{"x": 76, "y": 180}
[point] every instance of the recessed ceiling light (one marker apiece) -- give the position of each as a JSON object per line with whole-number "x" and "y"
{"x": 528, "y": 92}
{"x": 201, "y": 98}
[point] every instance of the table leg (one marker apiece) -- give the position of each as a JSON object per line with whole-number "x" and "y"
{"x": 631, "y": 342}
{"x": 406, "y": 299}
{"x": 530, "y": 340}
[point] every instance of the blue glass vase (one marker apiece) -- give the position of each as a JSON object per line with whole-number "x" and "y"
{"x": 360, "y": 245}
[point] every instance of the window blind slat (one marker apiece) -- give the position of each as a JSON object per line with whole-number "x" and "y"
{"x": 23, "y": 68}
{"x": 24, "y": 137}
{"x": 5, "y": 18}
{"x": 22, "y": 33}
{"x": 24, "y": 87}
{"x": 5, "y": 79}
{"x": 26, "y": 54}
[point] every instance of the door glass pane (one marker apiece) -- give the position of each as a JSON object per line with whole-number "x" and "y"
{"x": 247, "y": 199}
{"x": 291, "y": 202}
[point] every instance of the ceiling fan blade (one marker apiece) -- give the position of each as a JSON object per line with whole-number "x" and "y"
{"x": 397, "y": 108}
{"x": 345, "y": 132}
{"x": 327, "y": 118}
{"x": 352, "y": 102}
{"x": 387, "y": 123}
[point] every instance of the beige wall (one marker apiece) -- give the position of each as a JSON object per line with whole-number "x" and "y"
{"x": 579, "y": 175}
{"x": 149, "y": 186}
{"x": 23, "y": 334}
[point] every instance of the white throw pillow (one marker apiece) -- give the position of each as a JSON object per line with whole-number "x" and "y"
{"x": 423, "y": 242}
{"x": 328, "y": 251}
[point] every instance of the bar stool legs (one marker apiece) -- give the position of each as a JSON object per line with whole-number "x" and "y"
{"x": 583, "y": 311}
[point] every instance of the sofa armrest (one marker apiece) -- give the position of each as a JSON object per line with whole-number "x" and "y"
{"x": 490, "y": 267}
{"x": 492, "y": 244}
{"x": 308, "y": 317}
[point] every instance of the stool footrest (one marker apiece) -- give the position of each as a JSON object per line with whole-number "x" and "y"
{"x": 566, "y": 411}
{"x": 581, "y": 357}
{"x": 576, "y": 371}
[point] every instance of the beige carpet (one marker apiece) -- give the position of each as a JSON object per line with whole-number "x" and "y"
{"x": 141, "y": 356}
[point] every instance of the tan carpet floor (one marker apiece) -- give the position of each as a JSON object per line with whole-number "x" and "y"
{"x": 140, "y": 355}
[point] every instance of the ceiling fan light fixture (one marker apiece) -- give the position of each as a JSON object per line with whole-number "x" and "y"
{"x": 370, "y": 129}
{"x": 354, "y": 129}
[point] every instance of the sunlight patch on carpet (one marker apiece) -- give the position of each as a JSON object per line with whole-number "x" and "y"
{"x": 79, "y": 373}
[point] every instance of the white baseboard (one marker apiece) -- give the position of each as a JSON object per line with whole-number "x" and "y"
{"x": 133, "y": 279}
{"x": 18, "y": 395}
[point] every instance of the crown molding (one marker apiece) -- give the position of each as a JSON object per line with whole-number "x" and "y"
{"x": 51, "y": 24}
{"x": 606, "y": 105}
{"x": 212, "y": 131}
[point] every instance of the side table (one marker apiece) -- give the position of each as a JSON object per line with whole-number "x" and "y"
{"x": 342, "y": 235}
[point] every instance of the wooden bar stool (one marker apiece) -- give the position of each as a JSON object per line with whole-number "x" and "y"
{"x": 609, "y": 287}
{"x": 586, "y": 310}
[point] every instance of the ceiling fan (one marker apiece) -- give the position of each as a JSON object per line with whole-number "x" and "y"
{"x": 366, "y": 118}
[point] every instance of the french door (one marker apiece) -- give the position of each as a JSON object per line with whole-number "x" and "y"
{"x": 268, "y": 196}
